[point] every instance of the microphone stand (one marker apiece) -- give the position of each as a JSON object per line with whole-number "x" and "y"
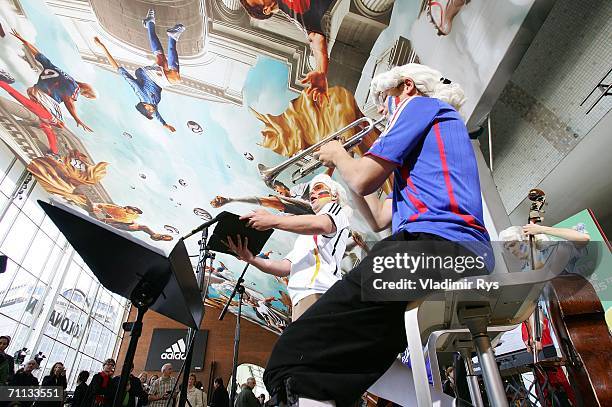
{"x": 238, "y": 289}
{"x": 205, "y": 255}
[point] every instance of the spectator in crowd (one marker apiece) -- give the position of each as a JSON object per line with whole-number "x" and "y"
{"x": 80, "y": 392}
{"x": 220, "y": 397}
{"x": 100, "y": 392}
{"x": 7, "y": 362}
{"x": 195, "y": 396}
{"x": 135, "y": 394}
{"x": 145, "y": 381}
{"x": 448, "y": 386}
{"x": 151, "y": 381}
{"x": 262, "y": 399}
{"x": 24, "y": 377}
{"x": 56, "y": 377}
{"x": 143, "y": 377}
{"x": 246, "y": 398}
{"x": 162, "y": 389}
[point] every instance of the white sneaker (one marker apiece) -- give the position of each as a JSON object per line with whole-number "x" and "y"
{"x": 176, "y": 31}
{"x": 149, "y": 18}
{"x": 6, "y": 77}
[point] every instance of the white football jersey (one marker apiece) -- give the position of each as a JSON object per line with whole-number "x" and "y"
{"x": 315, "y": 259}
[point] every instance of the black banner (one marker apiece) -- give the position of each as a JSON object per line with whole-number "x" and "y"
{"x": 170, "y": 346}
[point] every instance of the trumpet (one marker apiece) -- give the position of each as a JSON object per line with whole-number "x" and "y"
{"x": 306, "y": 162}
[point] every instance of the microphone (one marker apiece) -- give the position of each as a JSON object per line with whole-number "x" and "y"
{"x": 205, "y": 225}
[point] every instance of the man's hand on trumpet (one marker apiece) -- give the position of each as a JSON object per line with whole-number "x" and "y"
{"x": 260, "y": 220}
{"x": 329, "y": 153}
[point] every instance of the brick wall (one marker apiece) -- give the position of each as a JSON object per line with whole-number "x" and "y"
{"x": 255, "y": 343}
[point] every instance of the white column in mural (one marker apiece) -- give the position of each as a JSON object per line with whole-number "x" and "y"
{"x": 376, "y": 6}
{"x": 233, "y": 5}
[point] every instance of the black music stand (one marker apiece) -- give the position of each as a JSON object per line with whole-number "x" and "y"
{"x": 133, "y": 269}
{"x": 230, "y": 225}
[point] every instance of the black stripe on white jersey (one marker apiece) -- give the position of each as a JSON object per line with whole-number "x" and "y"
{"x": 337, "y": 240}
{"x": 335, "y": 209}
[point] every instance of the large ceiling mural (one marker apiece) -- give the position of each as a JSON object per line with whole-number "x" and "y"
{"x": 153, "y": 121}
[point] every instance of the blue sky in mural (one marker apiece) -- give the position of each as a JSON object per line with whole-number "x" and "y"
{"x": 265, "y": 88}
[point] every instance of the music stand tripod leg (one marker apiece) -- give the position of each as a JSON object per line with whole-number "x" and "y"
{"x": 205, "y": 255}
{"x": 135, "y": 330}
{"x": 236, "y": 344}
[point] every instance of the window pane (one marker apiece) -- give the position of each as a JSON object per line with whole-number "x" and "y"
{"x": 103, "y": 310}
{"x": 49, "y": 228}
{"x": 68, "y": 323}
{"x": 3, "y": 201}
{"x": 7, "y": 221}
{"x": 82, "y": 294}
{"x": 24, "y": 339}
{"x": 19, "y": 295}
{"x": 103, "y": 344}
{"x": 10, "y": 181}
{"x": 79, "y": 329}
{"x": 6, "y": 158}
{"x": 31, "y": 206}
{"x": 18, "y": 240}
{"x": 7, "y": 327}
{"x": 61, "y": 240}
{"x": 36, "y": 300}
{"x": 51, "y": 269}
{"x": 6, "y": 279}
{"x": 38, "y": 254}
{"x": 93, "y": 337}
{"x": 71, "y": 280}
{"x": 59, "y": 353}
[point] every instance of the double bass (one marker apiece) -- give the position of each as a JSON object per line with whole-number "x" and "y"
{"x": 578, "y": 320}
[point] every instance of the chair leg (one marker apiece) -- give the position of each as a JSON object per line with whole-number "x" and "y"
{"x": 473, "y": 385}
{"x": 432, "y": 353}
{"x": 477, "y": 318}
{"x": 417, "y": 359}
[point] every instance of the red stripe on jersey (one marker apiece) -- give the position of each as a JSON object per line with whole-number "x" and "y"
{"x": 454, "y": 207}
{"x": 418, "y": 204}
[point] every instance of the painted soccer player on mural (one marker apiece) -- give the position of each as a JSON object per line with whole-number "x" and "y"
{"x": 54, "y": 87}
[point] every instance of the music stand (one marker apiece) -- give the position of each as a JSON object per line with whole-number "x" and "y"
{"x": 132, "y": 269}
{"x": 231, "y": 226}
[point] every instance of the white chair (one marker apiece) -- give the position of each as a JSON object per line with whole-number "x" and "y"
{"x": 464, "y": 320}
{"x": 453, "y": 314}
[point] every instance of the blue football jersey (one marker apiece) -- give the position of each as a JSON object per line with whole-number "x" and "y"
{"x": 55, "y": 82}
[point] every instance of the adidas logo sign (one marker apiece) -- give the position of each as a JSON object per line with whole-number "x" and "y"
{"x": 176, "y": 351}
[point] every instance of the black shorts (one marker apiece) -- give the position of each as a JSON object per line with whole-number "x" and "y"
{"x": 341, "y": 345}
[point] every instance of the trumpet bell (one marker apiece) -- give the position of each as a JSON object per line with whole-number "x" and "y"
{"x": 266, "y": 175}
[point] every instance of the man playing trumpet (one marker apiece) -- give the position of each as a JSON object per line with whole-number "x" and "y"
{"x": 313, "y": 265}
{"x": 436, "y": 197}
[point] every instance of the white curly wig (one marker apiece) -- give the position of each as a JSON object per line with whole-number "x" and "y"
{"x": 428, "y": 82}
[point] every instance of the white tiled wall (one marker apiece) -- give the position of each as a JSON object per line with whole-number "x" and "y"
{"x": 538, "y": 120}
